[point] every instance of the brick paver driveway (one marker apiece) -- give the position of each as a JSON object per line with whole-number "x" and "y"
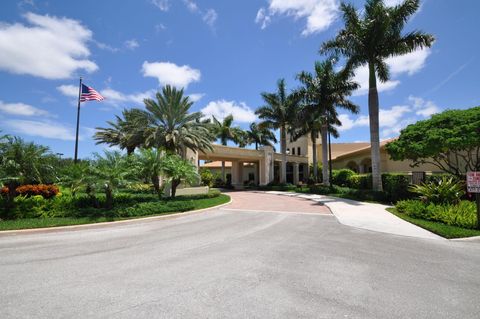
{"x": 260, "y": 201}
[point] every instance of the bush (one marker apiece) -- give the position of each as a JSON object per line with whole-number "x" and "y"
{"x": 444, "y": 191}
{"x": 140, "y": 188}
{"x": 207, "y": 177}
{"x": 46, "y": 191}
{"x": 396, "y": 186}
{"x": 462, "y": 214}
{"x": 342, "y": 177}
{"x": 154, "y": 208}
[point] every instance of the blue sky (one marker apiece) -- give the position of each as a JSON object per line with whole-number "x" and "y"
{"x": 224, "y": 53}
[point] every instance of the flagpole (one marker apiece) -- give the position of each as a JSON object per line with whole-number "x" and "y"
{"x": 78, "y": 121}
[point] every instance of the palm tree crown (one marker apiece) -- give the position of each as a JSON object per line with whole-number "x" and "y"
{"x": 172, "y": 127}
{"x": 279, "y": 113}
{"x": 127, "y": 132}
{"x": 259, "y": 135}
{"x": 323, "y": 92}
{"x": 370, "y": 39}
{"x": 224, "y": 131}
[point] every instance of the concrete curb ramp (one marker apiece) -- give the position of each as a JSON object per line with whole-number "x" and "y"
{"x": 368, "y": 216}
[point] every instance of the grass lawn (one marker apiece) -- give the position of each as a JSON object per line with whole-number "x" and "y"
{"x": 29, "y": 223}
{"x": 441, "y": 229}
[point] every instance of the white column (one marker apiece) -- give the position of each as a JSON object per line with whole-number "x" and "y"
{"x": 283, "y": 170}
{"x": 295, "y": 173}
{"x": 237, "y": 174}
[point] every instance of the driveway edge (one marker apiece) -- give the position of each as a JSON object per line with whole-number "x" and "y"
{"x": 5, "y": 233}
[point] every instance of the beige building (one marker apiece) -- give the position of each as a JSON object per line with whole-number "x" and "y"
{"x": 263, "y": 166}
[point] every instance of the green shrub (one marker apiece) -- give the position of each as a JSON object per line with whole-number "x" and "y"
{"x": 342, "y": 177}
{"x": 154, "y": 208}
{"x": 444, "y": 191}
{"x": 462, "y": 214}
{"x": 207, "y": 177}
{"x": 140, "y": 188}
{"x": 396, "y": 186}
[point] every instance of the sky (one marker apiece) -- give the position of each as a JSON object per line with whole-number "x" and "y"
{"x": 223, "y": 53}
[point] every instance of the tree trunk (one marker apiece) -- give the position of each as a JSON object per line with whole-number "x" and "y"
{"x": 156, "y": 184}
{"x": 256, "y": 146}
{"x": 313, "y": 136}
{"x": 10, "y": 200}
{"x": 108, "y": 197}
{"x": 223, "y": 172}
{"x": 283, "y": 145}
{"x": 175, "y": 183}
{"x": 324, "y": 134}
{"x": 373, "y": 109}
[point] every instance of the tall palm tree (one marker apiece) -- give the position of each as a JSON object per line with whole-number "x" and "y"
{"x": 369, "y": 39}
{"x": 279, "y": 113}
{"x": 171, "y": 125}
{"x": 324, "y": 91}
{"x": 224, "y": 131}
{"x": 259, "y": 135}
{"x": 126, "y": 133}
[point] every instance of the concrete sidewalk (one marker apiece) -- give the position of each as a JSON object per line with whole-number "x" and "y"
{"x": 363, "y": 215}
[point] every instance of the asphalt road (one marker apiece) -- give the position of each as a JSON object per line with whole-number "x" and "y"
{"x": 233, "y": 264}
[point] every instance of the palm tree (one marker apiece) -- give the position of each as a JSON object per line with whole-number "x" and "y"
{"x": 127, "y": 132}
{"x": 172, "y": 128}
{"x": 178, "y": 170}
{"x": 224, "y": 131}
{"x": 149, "y": 162}
{"x": 111, "y": 171}
{"x": 259, "y": 135}
{"x": 323, "y": 92}
{"x": 279, "y": 113}
{"x": 24, "y": 163}
{"x": 370, "y": 39}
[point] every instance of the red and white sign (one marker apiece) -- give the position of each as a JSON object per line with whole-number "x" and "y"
{"x": 473, "y": 182}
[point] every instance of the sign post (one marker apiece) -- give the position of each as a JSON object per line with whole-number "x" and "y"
{"x": 473, "y": 186}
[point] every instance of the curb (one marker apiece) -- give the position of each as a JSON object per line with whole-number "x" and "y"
{"x": 45, "y": 230}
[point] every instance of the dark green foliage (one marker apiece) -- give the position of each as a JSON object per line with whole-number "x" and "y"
{"x": 444, "y": 191}
{"x": 462, "y": 214}
{"x": 342, "y": 177}
{"x": 449, "y": 140}
{"x": 396, "y": 186}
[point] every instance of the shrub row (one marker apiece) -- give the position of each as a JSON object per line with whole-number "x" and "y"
{"x": 462, "y": 214}
{"x": 46, "y": 191}
{"x": 126, "y": 205}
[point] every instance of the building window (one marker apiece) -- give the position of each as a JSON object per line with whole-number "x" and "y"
{"x": 298, "y": 151}
{"x": 293, "y": 150}
{"x": 288, "y": 151}
{"x": 251, "y": 176}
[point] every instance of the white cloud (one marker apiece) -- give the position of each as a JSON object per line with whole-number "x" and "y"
{"x": 68, "y": 90}
{"x": 392, "y": 3}
{"x": 222, "y": 108}
{"x": 160, "y": 27}
{"x": 408, "y": 64}
{"x": 263, "y": 18}
{"x": 170, "y": 73}
{"x": 131, "y": 44}
{"x": 394, "y": 119}
{"x": 191, "y": 6}
{"x": 115, "y": 97}
{"x": 320, "y": 14}
{"x": 422, "y": 107}
{"x": 163, "y": 5}
{"x": 46, "y": 129}
{"x": 210, "y": 17}
{"x": 50, "y": 47}
{"x": 195, "y": 97}
{"x": 22, "y": 109}
{"x": 362, "y": 78}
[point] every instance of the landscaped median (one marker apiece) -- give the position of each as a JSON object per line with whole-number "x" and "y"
{"x": 39, "y": 212}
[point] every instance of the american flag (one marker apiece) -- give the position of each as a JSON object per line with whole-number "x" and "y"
{"x": 89, "y": 94}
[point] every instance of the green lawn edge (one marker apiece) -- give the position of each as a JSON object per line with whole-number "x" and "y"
{"x": 33, "y": 223}
{"x": 444, "y": 230}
